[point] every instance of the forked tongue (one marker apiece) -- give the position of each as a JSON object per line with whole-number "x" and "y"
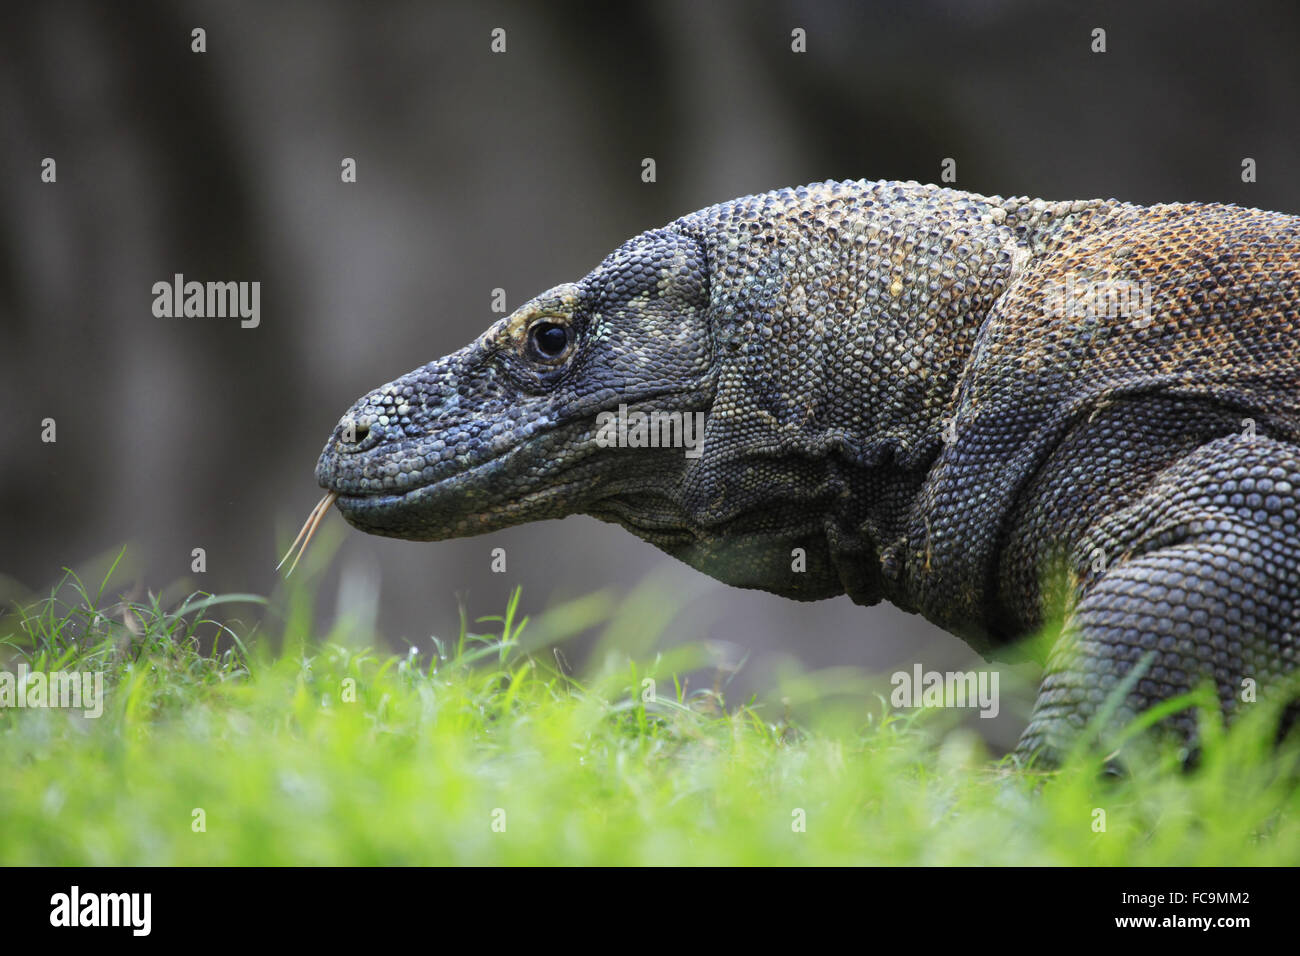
{"x": 308, "y": 529}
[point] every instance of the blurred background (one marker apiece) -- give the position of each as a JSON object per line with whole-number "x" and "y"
{"x": 517, "y": 170}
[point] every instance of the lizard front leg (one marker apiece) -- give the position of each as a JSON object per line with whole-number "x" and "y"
{"x": 1200, "y": 581}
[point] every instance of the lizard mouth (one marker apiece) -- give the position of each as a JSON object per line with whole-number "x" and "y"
{"x": 468, "y": 498}
{"x": 457, "y": 504}
{"x": 369, "y": 509}
{"x": 374, "y": 510}
{"x": 472, "y": 501}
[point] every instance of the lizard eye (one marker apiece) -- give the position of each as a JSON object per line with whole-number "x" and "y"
{"x": 548, "y": 340}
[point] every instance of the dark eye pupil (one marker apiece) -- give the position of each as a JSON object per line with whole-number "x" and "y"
{"x": 550, "y": 338}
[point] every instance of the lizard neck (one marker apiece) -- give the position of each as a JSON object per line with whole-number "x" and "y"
{"x": 842, "y": 322}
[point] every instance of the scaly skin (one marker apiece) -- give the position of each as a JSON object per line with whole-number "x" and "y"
{"x": 925, "y": 391}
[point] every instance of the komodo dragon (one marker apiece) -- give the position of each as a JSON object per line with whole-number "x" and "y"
{"x": 939, "y": 397}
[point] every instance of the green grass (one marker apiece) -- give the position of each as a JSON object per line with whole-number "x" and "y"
{"x": 262, "y": 735}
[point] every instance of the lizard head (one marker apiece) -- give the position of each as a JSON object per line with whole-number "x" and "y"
{"x": 515, "y": 427}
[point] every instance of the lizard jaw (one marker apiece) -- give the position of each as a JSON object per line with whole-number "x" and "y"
{"x": 481, "y": 497}
{"x": 454, "y": 507}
